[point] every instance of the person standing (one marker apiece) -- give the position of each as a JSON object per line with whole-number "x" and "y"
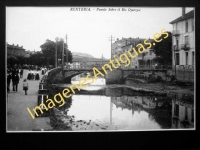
{"x": 25, "y": 86}
{"x": 21, "y": 73}
{"x": 9, "y": 77}
{"x": 42, "y": 71}
{"x": 15, "y": 80}
{"x": 37, "y": 77}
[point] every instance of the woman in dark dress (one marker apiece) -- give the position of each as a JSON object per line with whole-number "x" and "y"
{"x": 29, "y": 75}
{"x": 42, "y": 71}
{"x": 37, "y": 77}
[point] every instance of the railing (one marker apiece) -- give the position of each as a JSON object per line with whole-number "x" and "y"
{"x": 84, "y": 67}
{"x": 185, "y": 46}
{"x": 155, "y": 67}
{"x": 175, "y": 32}
{"x": 149, "y": 67}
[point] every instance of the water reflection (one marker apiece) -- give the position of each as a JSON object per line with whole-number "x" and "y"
{"x": 125, "y": 112}
{"x": 182, "y": 111}
{"x": 125, "y": 109}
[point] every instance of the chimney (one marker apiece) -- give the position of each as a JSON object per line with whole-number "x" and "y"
{"x": 183, "y": 12}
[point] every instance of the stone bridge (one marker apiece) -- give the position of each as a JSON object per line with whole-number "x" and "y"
{"x": 117, "y": 76}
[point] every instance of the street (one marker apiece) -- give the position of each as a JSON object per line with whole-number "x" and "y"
{"x": 18, "y": 118}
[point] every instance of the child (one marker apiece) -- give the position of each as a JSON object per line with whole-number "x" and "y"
{"x": 25, "y": 86}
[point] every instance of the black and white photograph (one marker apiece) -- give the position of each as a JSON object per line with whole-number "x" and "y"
{"x": 100, "y": 69}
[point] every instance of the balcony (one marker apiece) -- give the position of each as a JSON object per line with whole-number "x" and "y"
{"x": 175, "y": 33}
{"x": 176, "y": 47}
{"x": 185, "y": 47}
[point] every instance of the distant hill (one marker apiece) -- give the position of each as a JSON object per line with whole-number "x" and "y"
{"x": 77, "y": 56}
{"x": 82, "y": 54}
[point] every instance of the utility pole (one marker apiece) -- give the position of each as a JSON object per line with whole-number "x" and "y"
{"x": 56, "y": 54}
{"x": 63, "y": 59}
{"x": 66, "y": 52}
{"x": 111, "y": 38}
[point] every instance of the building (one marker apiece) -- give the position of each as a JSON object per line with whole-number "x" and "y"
{"x": 144, "y": 60}
{"x": 28, "y": 53}
{"x": 182, "y": 112}
{"x": 15, "y": 50}
{"x": 87, "y": 62}
{"x": 183, "y": 40}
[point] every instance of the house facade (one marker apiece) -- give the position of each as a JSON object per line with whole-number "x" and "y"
{"x": 143, "y": 60}
{"x": 183, "y": 40}
{"x": 15, "y": 50}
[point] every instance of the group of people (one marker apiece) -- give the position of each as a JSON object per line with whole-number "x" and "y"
{"x": 14, "y": 75}
{"x": 33, "y": 75}
{"x": 43, "y": 70}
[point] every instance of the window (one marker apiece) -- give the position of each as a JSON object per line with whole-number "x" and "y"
{"x": 192, "y": 24}
{"x": 186, "y": 26}
{"x": 176, "y": 111}
{"x": 177, "y": 43}
{"x": 186, "y": 113}
{"x": 186, "y": 58}
{"x": 192, "y": 58}
{"x": 186, "y": 40}
{"x": 177, "y": 59}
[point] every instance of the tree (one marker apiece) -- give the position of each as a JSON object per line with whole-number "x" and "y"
{"x": 37, "y": 59}
{"x": 11, "y": 60}
{"x": 163, "y": 50}
{"x": 48, "y": 50}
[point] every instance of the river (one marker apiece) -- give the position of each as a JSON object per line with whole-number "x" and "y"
{"x": 99, "y": 107}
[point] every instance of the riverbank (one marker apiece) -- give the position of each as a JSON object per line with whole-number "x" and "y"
{"x": 158, "y": 88}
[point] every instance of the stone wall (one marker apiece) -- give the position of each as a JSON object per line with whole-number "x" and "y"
{"x": 114, "y": 77}
{"x": 114, "y": 92}
{"x": 183, "y": 75}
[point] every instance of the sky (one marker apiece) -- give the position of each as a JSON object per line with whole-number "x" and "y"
{"x": 87, "y": 31}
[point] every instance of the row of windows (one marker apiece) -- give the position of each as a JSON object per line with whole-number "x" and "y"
{"x": 186, "y": 25}
{"x": 177, "y": 58}
{"x": 186, "y": 40}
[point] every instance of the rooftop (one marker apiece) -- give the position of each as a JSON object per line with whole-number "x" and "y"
{"x": 15, "y": 46}
{"x": 133, "y": 40}
{"x": 186, "y": 16}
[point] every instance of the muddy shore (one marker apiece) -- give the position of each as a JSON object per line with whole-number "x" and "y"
{"x": 158, "y": 88}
